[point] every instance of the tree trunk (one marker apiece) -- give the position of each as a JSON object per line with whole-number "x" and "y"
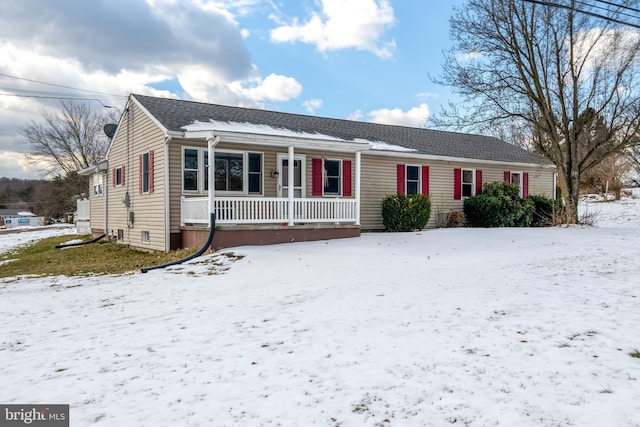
{"x": 570, "y": 188}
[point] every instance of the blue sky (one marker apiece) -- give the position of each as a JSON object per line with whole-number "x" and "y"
{"x": 367, "y": 60}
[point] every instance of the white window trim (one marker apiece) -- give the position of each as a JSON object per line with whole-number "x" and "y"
{"x": 146, "y": 241}
{"x": 521, "y": 185}
{"x": 261, "y": 172}
{"x": 340, "y": 171}
{"x": 473, "y": 182}
{"x": 200, "y": 183}
{"x": 98, "y": 187}
{"x": 119, "y": 174}
{"x": 303, "y": 170}
{"x": 148, "y": 190}
{"x": 406, "y": 178}
{"x": 245, "y": 173}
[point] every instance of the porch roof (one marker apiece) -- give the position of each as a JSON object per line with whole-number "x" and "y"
{"x": 181, "y": 116}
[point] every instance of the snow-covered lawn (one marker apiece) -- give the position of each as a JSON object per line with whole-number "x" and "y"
{"x": 477, "y": 327}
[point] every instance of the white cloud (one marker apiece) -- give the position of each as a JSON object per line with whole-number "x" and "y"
{"x": 17, "y": 165}
{"x": 311, "y": 105}
{"x": 272, "y": 88}
{"x": 196, "y": 43}
{"x": 415, "y": 117}
{"x": 355, "y": 116}
{"x": 343, "y": 24}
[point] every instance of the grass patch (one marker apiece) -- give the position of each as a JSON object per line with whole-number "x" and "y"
{"x": 635, "y": 353}
{"x": 43, "y": 259}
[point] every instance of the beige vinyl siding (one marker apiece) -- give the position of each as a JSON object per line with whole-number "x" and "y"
{"x": 379, "y": 179}
{"x": 138, "y": 137}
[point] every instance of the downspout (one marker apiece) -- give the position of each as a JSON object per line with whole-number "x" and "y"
{"x": 211, "y": 145}
{"x": 167, "y": 196}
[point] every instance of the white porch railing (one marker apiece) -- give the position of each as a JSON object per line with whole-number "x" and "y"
{"x": 267, "y": 210}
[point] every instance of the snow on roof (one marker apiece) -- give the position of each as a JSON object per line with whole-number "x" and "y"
{"x": 253, "y": 128}
{"x": 380, "y": 145}
{"x": 26, "y": 213}
{"x": 225, "y": 126}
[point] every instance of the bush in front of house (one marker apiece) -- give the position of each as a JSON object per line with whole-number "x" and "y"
{"x": 545, "y": 209}
{"x": 403, "y": 212}
{"x": 499, "y": 205}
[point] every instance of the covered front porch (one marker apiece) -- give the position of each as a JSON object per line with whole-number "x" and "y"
{"x": 269, "y": 201}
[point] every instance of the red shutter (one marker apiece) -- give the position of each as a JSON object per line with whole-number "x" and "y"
{"x": 507, "y": 176}
{"x": 478, "y": 181}
{"x": 316, "y": 177}
{"x": 346, "y": 178}
{"x": 151, "y": 186}
{"x": 457, "y": 184}
{"x": 122, "y": 175}
{"x": 113, "y": 177}
{"x": 525, "y": 184}
{"x": 425, "y": 180}
{"x": 140, "y": 175}
{"x": 400, "y": 176}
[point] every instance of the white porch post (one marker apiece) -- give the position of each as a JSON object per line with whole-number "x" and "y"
{"x": 291, "y": 186}
{"x": 211, "y": 143}
{"x": 357, "y": 189}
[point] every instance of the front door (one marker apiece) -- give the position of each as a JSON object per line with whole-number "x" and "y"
{"x": 298, "y": 176}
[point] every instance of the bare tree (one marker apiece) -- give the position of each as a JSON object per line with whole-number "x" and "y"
{"x": 69, "y": 140}
{"x": 570, "y": 78}
{"x": 610, "y": 175}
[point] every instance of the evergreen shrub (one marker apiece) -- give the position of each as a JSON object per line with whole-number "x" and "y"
{"x": 545, "y": 208}
{"x": 403, "y": 212}
{"x": 499, "y": 205}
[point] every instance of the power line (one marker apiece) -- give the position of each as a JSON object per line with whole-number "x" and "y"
{"x": 621, "y": 6}
{"x": 586, "y": 12}
{"x": 70, "y": 98}
{"x": 607, "y": 9}
{"x": 57, "y": 85}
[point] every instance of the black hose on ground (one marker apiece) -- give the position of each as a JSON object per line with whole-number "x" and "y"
{"x": 70, "y": 245}
{"x": 202, "y": 250}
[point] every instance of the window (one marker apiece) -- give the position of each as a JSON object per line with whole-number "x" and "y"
{"x": 521, "y": 179}
{"x": 238, "y": 172}
{"x": 229, "y": 171}
{"x": 516, "y": 178}
{"x": 145, "y": 184}
{"x": 413, "y": 179}
{"x": 332, "y": 177}
{"x": 145, "y": 173}
{"x": 145, "y": 237}
{"x": 97, "y": 184}
{"x": 118, "y": 177}
{"x": 467, "y": 182}
{"x": 120, "y": 234}
{"x": 255, "y": 173}
{"x": 190, "y": 163}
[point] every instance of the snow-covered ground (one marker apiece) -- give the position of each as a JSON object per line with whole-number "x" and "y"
{"x": 476, "y": 327}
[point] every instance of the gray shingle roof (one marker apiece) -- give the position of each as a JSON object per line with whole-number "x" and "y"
{"x": 175, "y": 114}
